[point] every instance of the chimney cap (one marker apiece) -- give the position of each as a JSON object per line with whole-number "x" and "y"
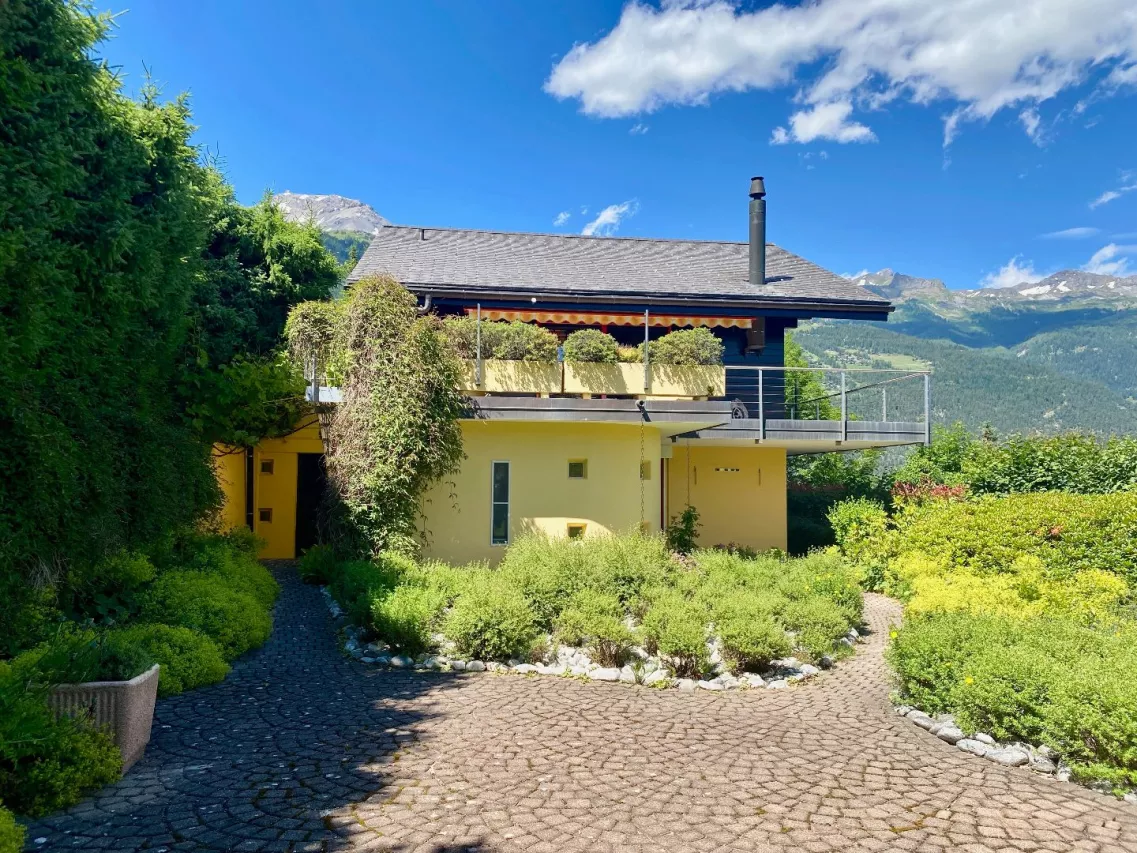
{"x": 757, "y": 187}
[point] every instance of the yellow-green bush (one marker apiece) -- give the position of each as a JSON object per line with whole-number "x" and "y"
{"x": 207, "y": 602}
{"x": 1039, "y": 680}
{"x": 11, "y": 833}
{"x": 47, "y": 764}
{"x": 187, "y": 658}
{"x": 596, "y": 619}
{"x": 491, "y": 620}
{"x": 405, "y": 617}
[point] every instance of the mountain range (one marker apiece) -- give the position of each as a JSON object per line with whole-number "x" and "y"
{"x": 1049, "y": 355}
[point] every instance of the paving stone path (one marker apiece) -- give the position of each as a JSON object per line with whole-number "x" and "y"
{"x": 301, "y": 749}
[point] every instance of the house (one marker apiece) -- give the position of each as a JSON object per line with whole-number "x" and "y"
{"x": 577, "y": 450}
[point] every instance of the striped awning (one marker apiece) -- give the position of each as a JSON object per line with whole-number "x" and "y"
{"x": 585, "y": 318}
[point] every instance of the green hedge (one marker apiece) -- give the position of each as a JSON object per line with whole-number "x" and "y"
{"x": 591, "y": 345}
{"x": 1041, "y": 681}
{"x": 188, "y": 659}
{"x": 514, "y": 341}
{"x": 234, "y": 618}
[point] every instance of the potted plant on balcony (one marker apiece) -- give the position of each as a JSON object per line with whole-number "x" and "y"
{"x": 112, "y": 684}
{"x": 516, "y": 357}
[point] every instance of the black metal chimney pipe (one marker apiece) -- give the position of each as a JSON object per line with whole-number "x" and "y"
{"x": 757, "y": 230}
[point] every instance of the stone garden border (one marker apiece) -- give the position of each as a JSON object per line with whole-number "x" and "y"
{"x": 574, "y": 663}
{"x": 1041, "y": 759}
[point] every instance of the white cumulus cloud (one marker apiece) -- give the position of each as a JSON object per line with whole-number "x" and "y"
{"x": 824, "y": 121}
{"x": 1111, "y": 259}
{"x": 974, "y": 57}
{"x": 1015, "y": 271}
{"x": 608, "y": 220}
{"x": 562, "y": 218}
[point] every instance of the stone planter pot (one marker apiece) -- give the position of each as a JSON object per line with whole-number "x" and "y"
{"x": 125, "y": 708}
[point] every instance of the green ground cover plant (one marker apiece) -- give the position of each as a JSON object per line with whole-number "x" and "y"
{"x": 11, "y": 833}
{"x": 609, "y": 595}
{"x": 1019, "y": 615}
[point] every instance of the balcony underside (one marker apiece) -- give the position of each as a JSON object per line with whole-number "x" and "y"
{"x": 670, "y": 417}
{"x": 802, "y": 436}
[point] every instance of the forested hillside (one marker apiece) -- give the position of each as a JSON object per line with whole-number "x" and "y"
{"x": 1049, "y": 391}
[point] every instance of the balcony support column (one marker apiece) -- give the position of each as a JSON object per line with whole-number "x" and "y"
{"x": 761, "y": 406}
{"x": 844, "y": 409}
{"x": 927, "y": 410}
{"x": 478, "y": 348}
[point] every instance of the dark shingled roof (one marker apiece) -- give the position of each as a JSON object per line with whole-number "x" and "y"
{"x": 463, "y": 261}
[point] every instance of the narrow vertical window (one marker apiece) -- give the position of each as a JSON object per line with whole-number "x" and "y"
{"x": 499, "y": 498}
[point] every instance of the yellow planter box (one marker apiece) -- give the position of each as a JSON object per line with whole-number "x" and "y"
{"x": 664, "y": 380}
{"x": 583, "y": 377}
{"x": 511, "y": 377}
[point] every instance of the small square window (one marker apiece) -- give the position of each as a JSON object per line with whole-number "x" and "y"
{"x": 578, "y": 469}
{"x": 265, "y": 514}
{"x": 645, "y": 470}
{"x": 268, "y": 466}
{"x": 576, "y": 531}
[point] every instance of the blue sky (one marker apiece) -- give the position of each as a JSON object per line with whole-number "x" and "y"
{"x": 904, "y": 133}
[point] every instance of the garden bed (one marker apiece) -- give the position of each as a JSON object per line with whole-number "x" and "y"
{"x": 613, "y": 608}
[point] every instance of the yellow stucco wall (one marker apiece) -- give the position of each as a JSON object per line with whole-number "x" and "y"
{"x": 275, "y": 491}
{"x": 542, "y": 497}
{"x": 740, "y": 493}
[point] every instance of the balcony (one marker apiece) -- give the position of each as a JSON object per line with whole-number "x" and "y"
{"x": 802, "y": 409}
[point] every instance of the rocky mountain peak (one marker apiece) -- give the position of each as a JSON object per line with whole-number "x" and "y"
{"x": 330, "y": 212}
{"x": 894, "y": 285}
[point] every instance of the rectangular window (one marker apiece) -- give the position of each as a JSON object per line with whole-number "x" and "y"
{"x": 265, "y": 515}
{"x": 578, "y": 469}
{"x": 267, "y": 466}
{"x": 499, "y": 501}
{"x": 576, "y": 531}
{"x": 645, "y": 470}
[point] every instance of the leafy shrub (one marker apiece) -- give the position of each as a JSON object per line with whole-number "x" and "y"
{"x": 682, "y": 532}
{"x": 405, "y": 617}
{"x": 206, "y": 602}
{"x": 11, "y": 833}
{"x": 515, "y": 341}
{"x": 629, "y": 355}
{"x": 186, "y": 658}
{"x": 491, "y": 620}
{"x": 751, "y": 635}
{"x": 104, "y": 591}
{"x": 75, "y": 655}
{"x": 596, "y": 619}
{"x": 47, "y": 764}
{"x": 318, "y": 564}
{"x": 591, "y": 345}
{"x": 819, "y": 621}
{"x": 687, "y": 347}
{"x": 859, "y": 525}
{"x": 358, "y": 582}
{"x": 1038, "y": 680}
{"x": 550, "y": 570}
{"x": 677, "y": 628}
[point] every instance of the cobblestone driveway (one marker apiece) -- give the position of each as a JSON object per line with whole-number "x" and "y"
{"x": 301, "y": 749}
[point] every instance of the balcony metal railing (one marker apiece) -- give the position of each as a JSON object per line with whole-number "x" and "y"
{"x": 840, "y": 395}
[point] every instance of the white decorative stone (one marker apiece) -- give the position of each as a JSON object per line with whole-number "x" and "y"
{"x": 1063, "y": 773}
{"x": 656, "y": 676}
{"x": 686, "y": 684}
{"x": 922, "y": 720}
{"x": 627, "y": 674}
{"x": 401, "y": 661}
{"x": 710, "y": 685}
{"x": 458, "y": 665}
{"x": 579, "y": 670}
{"x": 809, "y": 670}
{"x": 605, "y": 674}
{"x": 949, "y": 732}
{"x": 754, "y": 679}
{"x": 1042, "y": 764}
{"x": 1131, "y": 797}
{"x": 903, "y": 710}
{"x": 475, "y": 666}
{"x": 983, "y": 737}
{"x": 777, "y": 684}
{"x": 525, "y": 668}
{"x": 973, "y": 746}
{"x": 1009, "y": 756}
